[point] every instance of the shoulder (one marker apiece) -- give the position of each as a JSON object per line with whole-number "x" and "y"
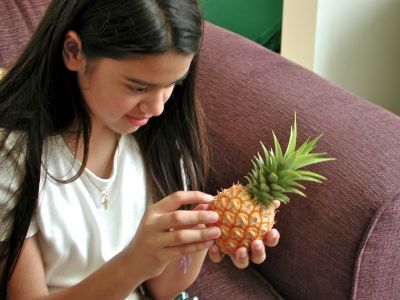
{"x": 11, "y": 139}
{"x": 12, "y": 157}
{"x": 2, "y": 72}
{"x": 12, "y": 149}
{"x": 11, "y": 174}
{"x": 12, "y": 153}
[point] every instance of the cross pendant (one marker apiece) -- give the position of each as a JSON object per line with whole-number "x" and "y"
{"x": 105, "y": 202}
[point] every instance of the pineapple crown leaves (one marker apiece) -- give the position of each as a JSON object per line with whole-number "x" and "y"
{"x": 276, "y": 172}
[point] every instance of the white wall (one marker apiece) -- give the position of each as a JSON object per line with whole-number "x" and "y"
{"x": 356, "y": 45}
{"x": 298, "y": 31}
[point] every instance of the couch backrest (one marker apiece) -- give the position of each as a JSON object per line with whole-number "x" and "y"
{"x": 344, "y": 238}
{"x": 18, "y": 20}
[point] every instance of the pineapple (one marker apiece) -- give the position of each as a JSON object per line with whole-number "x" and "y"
{"x": 247, "y": 212}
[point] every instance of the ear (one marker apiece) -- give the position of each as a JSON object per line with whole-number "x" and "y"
{"x": 73, "y": 57}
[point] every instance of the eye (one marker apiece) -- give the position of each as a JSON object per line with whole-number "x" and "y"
{"x": 178, "y": 83}
{"x": 139, "y": 90}
{"x": 171, "y": 85}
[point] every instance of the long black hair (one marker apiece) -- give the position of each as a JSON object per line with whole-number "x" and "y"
{"x": 40, "y": 97}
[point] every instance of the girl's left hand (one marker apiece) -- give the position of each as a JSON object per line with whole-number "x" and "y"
{"x": 242, "y": 258}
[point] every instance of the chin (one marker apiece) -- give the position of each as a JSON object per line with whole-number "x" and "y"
{"x": 129, "y": 130}
{"x": 124, "y": 128}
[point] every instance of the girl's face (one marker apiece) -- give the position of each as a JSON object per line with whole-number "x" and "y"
{"x": 123, "y": 95}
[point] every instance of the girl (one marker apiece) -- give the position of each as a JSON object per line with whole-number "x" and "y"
{"x": 102, "y": 145}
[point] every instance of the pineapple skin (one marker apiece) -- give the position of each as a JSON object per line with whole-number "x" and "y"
{"x": 241, "y": 219}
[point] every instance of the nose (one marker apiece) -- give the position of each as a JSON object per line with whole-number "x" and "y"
{"x": 153, "y": 104}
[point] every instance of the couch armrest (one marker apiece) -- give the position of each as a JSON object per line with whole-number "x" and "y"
{"x": 331, "y": 241}
{"x": 378, "y": 259}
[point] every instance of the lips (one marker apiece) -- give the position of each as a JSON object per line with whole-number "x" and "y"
{"x": 137, "y": 121}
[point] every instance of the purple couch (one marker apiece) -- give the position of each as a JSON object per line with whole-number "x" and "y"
{"x": 343, "y": 241}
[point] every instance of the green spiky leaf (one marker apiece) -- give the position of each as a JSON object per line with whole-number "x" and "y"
{"x": 278, "y": 172}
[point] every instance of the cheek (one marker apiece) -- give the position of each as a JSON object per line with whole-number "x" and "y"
{"x": 100, "y": 93}
{"x": 122, "y": 104}
{"x": 107, "y": 104}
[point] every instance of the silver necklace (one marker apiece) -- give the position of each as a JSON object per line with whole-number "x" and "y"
{"x": 105, "y": 192}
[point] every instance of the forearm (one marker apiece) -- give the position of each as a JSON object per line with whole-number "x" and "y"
{"x": 113, "y": 281}
{"x": 176, "y": 278}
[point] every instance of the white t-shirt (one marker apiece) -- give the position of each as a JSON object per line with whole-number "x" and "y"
{"x": 77, "y": 233}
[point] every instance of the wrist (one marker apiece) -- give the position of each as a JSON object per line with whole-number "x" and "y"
{"x": 130, "y": 269}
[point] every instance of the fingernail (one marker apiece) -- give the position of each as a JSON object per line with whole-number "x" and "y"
{"x": 214, "y": 249}
{"x": 209, "y": 197}
{"x": 258, "y": 246}
{"x": 273, "y": 238}
{"x": 274, "y": 234}
{"x": 213, "y": 232}
{"x": 213, "y": 217}
{"x": 209, "y": 244}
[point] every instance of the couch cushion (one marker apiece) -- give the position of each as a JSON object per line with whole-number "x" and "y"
{"x": 225, "y": 281}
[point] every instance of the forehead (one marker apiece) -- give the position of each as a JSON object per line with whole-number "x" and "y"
{"x": 156, "y": 69}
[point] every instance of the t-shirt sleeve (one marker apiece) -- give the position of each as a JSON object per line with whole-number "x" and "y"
{"x": 11, "y": 176}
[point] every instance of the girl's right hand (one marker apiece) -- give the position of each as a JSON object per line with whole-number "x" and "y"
{"x": 166, "y": 233}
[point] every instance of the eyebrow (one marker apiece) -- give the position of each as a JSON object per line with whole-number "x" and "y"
{"x": 141, "y": 82}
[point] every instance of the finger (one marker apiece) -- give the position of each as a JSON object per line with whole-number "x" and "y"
{"x": 201, "y": 207}
{"x": 272, "y": 238}
{"x": 178, "y": 199}
{"x": 241, "y": 258}
{"x": 182, "y": 250}
{"x": 182, "y": 218}
{"x": 215, "y": 254}
{"x": 257, "y": 252}
{"x": 189, "y": 236}
{"x": 277, "y": 203}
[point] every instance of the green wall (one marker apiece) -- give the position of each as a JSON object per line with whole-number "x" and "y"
{"x": 258, "y": 20}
